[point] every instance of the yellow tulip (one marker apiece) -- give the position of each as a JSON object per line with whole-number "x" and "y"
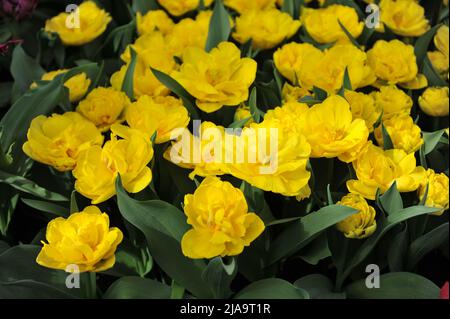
{"x": 92, "y": 23}
{"x": 360, "y": 225}
{"x": 221, "y": 223}
{"x": 434, "y": 101}
{"x": 58, "y": 140}
{"x": 404, "y": 17}
{"x": 83, "y": 239}
{"x": 438, "y": 191}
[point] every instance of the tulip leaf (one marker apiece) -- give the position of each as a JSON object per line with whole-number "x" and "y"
{"x": 301, "y": 232}
{"x": 387, "y": 141}
{"x": 398, "y": 249}
{"x": 178, "y": 90}
{"x": 22, "y": 277}
{"x": 25, "y": 185}
{"x": 24, "y": 70}
{"x": 349, "y": 35}
{"x": 310, "y": 100}
{"x": 382, "y": 229}
{"x": 431, "y": 140}
{"x": 137, "y": 288}
{"x": 319, "y": 94}
{"x": 272, "y": 288}
{"x": 5, "y": 93}
{"x": 425, "y": 244}
{"x": 220, "y": 275}
{"x": 240, "y": 123}
{"x": 433, "y": 77}
{"x": 256, "y": 113}
{"x": 288, "y": 7}
{"x": 422, "y": 44}
{"x": 395, "y": 285}
{"x": 219, "y": 26}
{"x": 128, "y": 80}
{"x": 391, "y": 200}
{"x": 47, "y": 207}
{"x": 318, "y": 287}
{"x": 164, "y": 225}
{"x": 346, "y": 83}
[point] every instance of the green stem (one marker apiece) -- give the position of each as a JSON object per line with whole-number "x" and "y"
{"x": 91, "y": 285}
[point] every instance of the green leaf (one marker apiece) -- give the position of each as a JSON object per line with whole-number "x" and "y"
{"x": 24, "y": 70}
{"x": 349, "y": 35}
{"x": 318, "y": 287}
{"x": 240, "y": 123}
{"x": 219, "y": 26}
{"x": 433, "y": 77}
{"x": 387, "y": 141}
{"x": 309, "y": 100}
{"x": 319, "y": 94}
{"x": 299, "y": 233}
{"x": 396, "y": 285}
{"x": 5, "y": 93}
{"x": 317, "y": 250}
{"x": 29, "y": 187}
{"x": 178, "y": 90}
{"x": 253, "y": 105}
{"x": 391, "y": 200}
{"x": 346, "y": 83}
{"x": 422, "y": 44}
{"x": 127, "y": 85}
{"x": 176, "y": 291}
{"x": 272, "y": 288}
{"x": 397, "y": 250}
{"x": 219, "y": 276}
{"x": 131, "y": 261}
{"x": 431, "y": 140}
{"x": 47, "y": 207}
{"x": 143, "y": 6}
{"x": 425, "y": 244}
{"x": 163, "y": 226}
{"x": 288, "y": 7}
{"x": 382, "y": 229}
{"x": 137, "y": 288}
{"x": 22, "y": 277}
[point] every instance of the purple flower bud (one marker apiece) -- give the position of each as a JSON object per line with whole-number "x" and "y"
{"x": 18, "y": 9}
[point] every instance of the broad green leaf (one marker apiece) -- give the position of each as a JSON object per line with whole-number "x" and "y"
{"x": 219, "y": 276}
{"x": 143, "y": 6}
{"x": 219, "y": 26}
{"x": 431, "y": 140}
{"x": 397, "y": 250}
{"x": 318, "y": 287}
{"x": 253, "y": 105}
{"x": 425, "y": 244}
{"x": 433, "y": 77}
{"x": 349, "y": 35}
{"x": 395, "y": 285}
{"x": 391, "y": 200}
{"x": 22, "y": 277}
{"x": 24, "y": 70}
{"x": 131, "y": 261}
{"x": 25, "y": 185}
{"x": 5, "y": 93}
{"x": 299, "y": 233}
{"x": 3, "y": 247}
{"x": 48, "y": 207}
{"x": 137, "y": 288}
{"x": 382, "y": 229}
{"x": 127, "y": 85}
{"x": 178, "y": 90}
{"x": 423, "y": 43}
{"x": 240, "y": 123}
{"x": 319, "y": 94}
{"x": 8, "y": 202}
{"x": 163, "y": 225}
{"x": 387, "y": 141}
{"x": 316, "y": 251}
{"x": 272, "y": 288}
{"x": 289, "y": 8}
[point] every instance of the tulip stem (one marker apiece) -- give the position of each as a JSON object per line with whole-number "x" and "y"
{"x": 91, "y": 285}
